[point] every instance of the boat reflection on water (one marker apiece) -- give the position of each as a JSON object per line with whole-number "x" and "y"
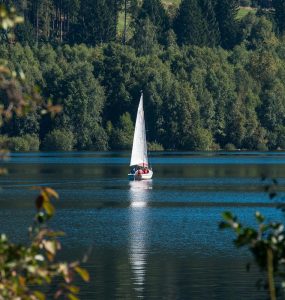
{"x": 139, "y": 197}
{"x": 139, "y": 192}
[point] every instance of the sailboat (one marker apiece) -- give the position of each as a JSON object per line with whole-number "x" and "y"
{"x": 139, "y": 160}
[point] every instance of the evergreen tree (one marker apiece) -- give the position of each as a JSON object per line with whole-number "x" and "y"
{"x": 155, "y": 12}
{"x": 226, "y": 13}
{"x": 279, "y": 14}
{"x": 213, "y": 36}
{"x": 39, "y": 13}
{"x": 45, "y": 16}
{"x": 145, "y": 38}
{"x": 265, "y": 3}
{"x": 97, "y": 22}
{"x": 189, "y": 24}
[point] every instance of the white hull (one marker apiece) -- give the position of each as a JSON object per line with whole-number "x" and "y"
{"x": 140, "y": 176}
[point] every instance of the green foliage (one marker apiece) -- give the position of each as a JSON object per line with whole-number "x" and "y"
{"x": 279, "y": 14}
{"x": 230, "y": 147}
{"x": 154, "y": 147}
{"x": 25, "y": 33}
{"x": 18, "y": 144}
{"x": 231, "y": 94}
{"x": 97, "y": 22}
{"x": 62, "y": 140}
{"x": 257, "y": 32}
{"x": 23, "y": 125}
{"x": 189, "y": 24}
{"x": 26, "y": 269}
{"x": 201, "y": 139}
{"x": 121, "y": 138}
{"x": 83, "y": 99}
{"x": 181, "y": 118}
{"x": 278, "y": 142}
{"x": 266, "y": 242}
{"x": 273, "y": 107}
{"x": 145, "y": 37}
{"x": 212, "y": 35}
{"x": 236, "y": 95}
{"x": 155, "y": 12}
{"x": 23, "y": 143}
{"x": 33, "y": 141}
{"x": 246, "y": 3}
{"x": 226, "y": 13}
{"x": 118, "y": 70}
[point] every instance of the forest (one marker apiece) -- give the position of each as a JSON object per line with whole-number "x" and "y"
{"x": 211, "y": 79}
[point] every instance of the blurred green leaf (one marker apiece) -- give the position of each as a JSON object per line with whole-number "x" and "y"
{"x": 223, "y": 225}
{"x": 72, "y": 297}
{"x": 39, "y": 295}
{"x": 228, "y": 216}
{"x": 72, "y": 288}
{"x": 49, "y": 208}
{"x": 83, "y": 273}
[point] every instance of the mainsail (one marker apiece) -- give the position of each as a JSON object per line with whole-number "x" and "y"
{"x": 139, "y": 151}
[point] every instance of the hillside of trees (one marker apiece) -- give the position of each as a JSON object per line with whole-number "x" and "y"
{"x": 210, "y": 80}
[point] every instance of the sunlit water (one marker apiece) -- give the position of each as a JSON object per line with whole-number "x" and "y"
{"x": 155, "y": 239}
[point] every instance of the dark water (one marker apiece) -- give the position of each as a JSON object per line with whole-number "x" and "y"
{"x": 148, "y": 240}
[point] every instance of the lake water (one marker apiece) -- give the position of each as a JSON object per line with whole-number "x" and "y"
{"x": 155, "y": 239}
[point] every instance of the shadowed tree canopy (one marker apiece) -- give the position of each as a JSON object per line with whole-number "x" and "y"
{"x": 189, "y": 24}
{"x": 197, "y": 96}
{"x": 155, "y": 12}
{"x": 279, "y": 14}
{"x": 212, "y": 32}
{"x": 97, "y": 22}
{"x": 226, "y": 13}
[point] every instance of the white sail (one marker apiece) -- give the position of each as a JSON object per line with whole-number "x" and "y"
{"x": 139, "y": 151}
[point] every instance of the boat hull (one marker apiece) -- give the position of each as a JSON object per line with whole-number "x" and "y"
{"x": 140, "y": 176}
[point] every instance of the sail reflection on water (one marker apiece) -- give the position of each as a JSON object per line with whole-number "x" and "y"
{"x": 139, "y": 197}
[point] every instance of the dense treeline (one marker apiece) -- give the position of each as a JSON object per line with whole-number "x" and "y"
{"x": 209, "y": 80}
{"x": 93, "y": 22}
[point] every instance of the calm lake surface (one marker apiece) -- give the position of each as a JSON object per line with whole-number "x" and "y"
{"x": 155, "y": 239}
